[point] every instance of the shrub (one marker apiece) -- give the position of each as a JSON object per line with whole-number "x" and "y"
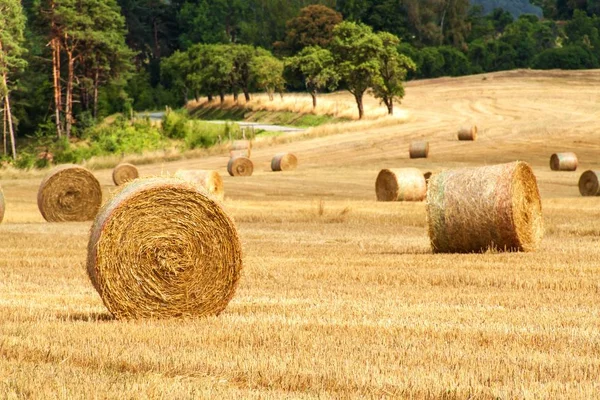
{"x": 569, "y": 57}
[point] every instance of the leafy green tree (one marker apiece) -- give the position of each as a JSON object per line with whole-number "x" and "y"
{"x": 356, "y": 50}
{"x": 568, "y": 57}
{"x": 316, "y": 65}
{"x": 268, "y": 74}
{"x": 174, "y": 72}
{"x": 12, "y": 26}
{"x": 393, "y": 68}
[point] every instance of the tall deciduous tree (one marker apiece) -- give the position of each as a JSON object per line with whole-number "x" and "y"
{"x": 267, "y": 72}
{"x": 356, "y": 50}
{"x": 12, "y": 26}
{"x": 316, "y": 65}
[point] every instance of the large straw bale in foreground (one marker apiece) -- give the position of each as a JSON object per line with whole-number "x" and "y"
{"x": 402, "y": 184}
{"x": 241, "y": 145}
{"x": 474, "y": 209}
{"x": 589, "y": 183}
{"x": 163, "y": 248}
{"x": 467, "y": 132}
{"x": 69, "y": 193}
{"x": 124, "y": 173}
{"x": 284, "y": 162}
{"x": 418, "y": 150}
{"x": 563, "y": 162}
{"x": 240, "y": 166}
{"x": 209, "y": 180}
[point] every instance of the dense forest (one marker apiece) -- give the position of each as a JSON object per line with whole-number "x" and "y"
{"x": 66, "y": 64}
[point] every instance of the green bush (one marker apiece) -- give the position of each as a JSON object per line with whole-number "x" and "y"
{"x": 175, "y": 125}
{"x": 569, "y": 57}
{"x": 206, "y": 134}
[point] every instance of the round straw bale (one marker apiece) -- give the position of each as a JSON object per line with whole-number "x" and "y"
{"x": 240, "y": 166}
{"x": 69, "y": 193}
{"x": 475, "y": 209}
{"x": 242, "y": 145}
{"x": 124, "y": 172}
{"x": 418, "y": 150}
{"x": 563, "y": 162}
{"x": 163, "y": 248}
{"x": 284, "y": 162}
{"x": 467, "y": 133}
{"x": 589, "y": 183}
{"x": 209, "y": 180}
{"x": 403, "y": 184}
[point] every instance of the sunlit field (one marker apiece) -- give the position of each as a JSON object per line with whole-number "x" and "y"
{"x": 340, "y": 296}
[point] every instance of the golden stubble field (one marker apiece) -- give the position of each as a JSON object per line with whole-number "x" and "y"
{"x": 341, "y": 296}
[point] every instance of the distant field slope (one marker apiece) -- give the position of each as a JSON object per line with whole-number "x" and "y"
{"x": 515, "y": 7}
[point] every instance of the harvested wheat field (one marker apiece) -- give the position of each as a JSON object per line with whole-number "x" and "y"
{"x": 340, "y": 295}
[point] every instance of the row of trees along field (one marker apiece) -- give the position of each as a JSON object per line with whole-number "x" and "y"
{"x": 66, "y": 64}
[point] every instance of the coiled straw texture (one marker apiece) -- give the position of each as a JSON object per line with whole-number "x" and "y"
{"x": 162, "y": 248}
{"x": 124, "y": 173}
{"x": 476, "y": 209}
{"x": 209, "y": 180}
{"x": 403, "y": 184}
{"x": 418, "y": 150}
{"x": 563, "y": 162}
{"x": 284, "y": 162}
{"x": 69, "y": 193}
{"x": 467, "y": 133}
{"x": 589, "y": 183}
{"x": 240, "y": 166}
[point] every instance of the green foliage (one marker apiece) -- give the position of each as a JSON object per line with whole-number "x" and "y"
{"x": 569, "y": 57}
{"x": 317, "y": 68}
{"x": 175, "y": 125}
{"x": 268, "y": 74}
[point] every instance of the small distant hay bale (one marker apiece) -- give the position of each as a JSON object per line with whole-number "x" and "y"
{"x": 240, "y": 166}
{"x": 418, "y": 150}
{"x": 563, "y": 162}
{"x": 245, "y": 145}
{"x": 284, "y": 162}
{"x": 209, "y": 180}
{"x": 589, "y": 183}
{"x": 403, "y": 184}
{"x": 124, "y": 173}
{"x": 476, "y": 209}
{"x": 69, "y": 193}
{"x": 467, "y": 132}
{"x": 163, "y": 248}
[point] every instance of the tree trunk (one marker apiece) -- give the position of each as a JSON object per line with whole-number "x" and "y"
{"x": 313, "y": 94}
{"x": 96, "y": 84}
{"x": 210, "y": 98}
{"x": 4, "y": 128}
{"x": 390, "y": 105}
{"x": 236, "y": 96}
{"x": 270, "y": 94}
{"x": 222, "y": 97}
{"x": 57, "y": 88}
{"x": 246, "y": 95}
{"x": 359, "y": 103}
{"x": 69, "y": 94}
{"x": 8, "y": 115}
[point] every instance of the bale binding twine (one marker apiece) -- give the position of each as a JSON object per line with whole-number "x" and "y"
{"x": 210, "y": 181}
{"x": 240, "y": 166}
{"x": 124, "y": 173}
{"x": 163, "y": 248}
{"x": 284, "y": 162}
{"x": 563, "y": 162}
{"x": 467, "y": 133}
{"x": 418, "y": 150}
{"x": 69, "y": 193}
{"x": 589, "y": 183}
{"x": 403, "y": 184}
{"x": 476, "y": 209}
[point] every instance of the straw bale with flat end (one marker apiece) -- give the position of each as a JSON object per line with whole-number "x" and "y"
{"x": 467, "y": 133}
{"x": 563, "y": 162}
{"x": 284, "y": 162}
{"x": 163, "y": 248}
{"x": 418, "y": 150}
{"x": 589, "y": 183}
{"x": 209, "y": 180}
{"x": 402, "y": 184}
{"x": 124, "y": 173}
{"x": 69, "y": 193}
{"x": 475, "y": 209}
{"x": 240, "y": 166}
{"x": 242, "y": 145}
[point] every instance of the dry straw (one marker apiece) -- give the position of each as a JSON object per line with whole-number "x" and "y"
{"x": 475, "y": 209}
{"x": 240, "y": 166}
{"x": 210, "y": 181}
{"x": 162, "y": 248}
{"x": 403, "y": 184}
{"x": 418, "y": 150}
{"x": 467, "y": 133}
{"x": 124, "y": 173}
{"x": 563, "y": 162}
{"x": 245, "y": 145}
{"x": 2, "y": 205}
{"x": 589, "y": 183}
{"x": 284, "y": 162}
{"x": 69, "y": 193}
